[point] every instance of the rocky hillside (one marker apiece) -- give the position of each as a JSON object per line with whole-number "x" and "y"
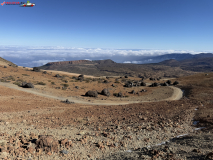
{"x": 111, "y": 68}
{"x": 6, "y": 62}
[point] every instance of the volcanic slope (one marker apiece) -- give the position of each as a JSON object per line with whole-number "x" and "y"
{"x": 111, "y": 68}
{"x": 36, "y": 127}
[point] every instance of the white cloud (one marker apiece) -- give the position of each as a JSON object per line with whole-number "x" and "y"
{"x": 43, "y": 54}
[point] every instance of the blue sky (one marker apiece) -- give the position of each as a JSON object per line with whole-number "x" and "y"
{"x": 110, "y": 24}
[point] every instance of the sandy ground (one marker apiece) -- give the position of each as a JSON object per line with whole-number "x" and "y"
{"x": 176, "y": 94}
{"x": 88, "y": 131}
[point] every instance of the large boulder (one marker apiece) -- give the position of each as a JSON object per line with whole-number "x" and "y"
{"x": 81, "y": 77}
{"x": 133, "y": 92}
{"x": 120, "y": 94}
{"x": 92, "y": 94}
{"x": 36, "y": 69}
{"x": 143, "y": 84}
{"x": 169, "y": 82}
{"x": 154, "y": 84}
{"x": 106, "y": 81}
{"x": 47, "y": 144}
{"x": 128, "y": 84}
{"x": 27, "y": 85}
{"x": 57, "y": 75}
{"x": 175, "y": 83}
{"x": 105, "y": 92}
{"x": 165, "y": 84}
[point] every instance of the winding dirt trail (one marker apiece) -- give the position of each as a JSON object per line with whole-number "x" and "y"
{"x": 177, "y": 94}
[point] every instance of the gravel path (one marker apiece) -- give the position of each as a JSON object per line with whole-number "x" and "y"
{"x": 177, "y": 94}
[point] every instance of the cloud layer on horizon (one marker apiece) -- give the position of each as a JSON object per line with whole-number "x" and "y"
{"x": 37, "y": 56}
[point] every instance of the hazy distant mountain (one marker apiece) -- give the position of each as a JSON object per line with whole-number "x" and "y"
{"x": 197, "y": 64}
{"x": 176, "y": 56}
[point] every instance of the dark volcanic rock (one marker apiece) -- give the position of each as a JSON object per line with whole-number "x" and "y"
{"x": 169, "y": 82}
{"x": 133, "y": 92}
{"x": 106, "y": 81}
{"x": 67, "y": 101}
{"x": 92, "y": 94}
{"x": 154, "y": 84}
{"x": 120, "y": 94}
{"x": 27, "y": 85}
{"x": 57, "y": 75}
{"x": 165, "y": 84}
{"x": 125, "y": 76}
{"x": 175, "y": 83}
{"x": 143, "y": 84}
{"x": 128, "y": 84}
{"x": 5, "y": 66}
{"x": 36, "y": 69}
{"x": 81, "y": 77}
{"x": 105, "y": 92}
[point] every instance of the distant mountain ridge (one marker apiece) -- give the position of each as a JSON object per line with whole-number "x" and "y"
{"x": 176, "y": 56}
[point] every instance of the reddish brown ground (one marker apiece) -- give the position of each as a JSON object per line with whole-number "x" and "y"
{"x": 45, "y": 113}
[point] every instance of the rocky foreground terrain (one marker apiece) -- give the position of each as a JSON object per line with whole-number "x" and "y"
{"x": 48, "y": 115}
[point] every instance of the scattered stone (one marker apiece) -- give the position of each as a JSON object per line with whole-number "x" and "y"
{"x": 36, "y": 69}
{"x": 120, "y": 94}
{"x": 81, "y": 77}
{"x": 76, "y": 87}
{"x": 92, "y": 93}
{"x": 27, "y": 85}
{"x": 169, "y": 82}
{"x": 47, "y": 143}
{"x": 45, "y": 72}
{"x": 143, "y": 84}
{"x": 128, "y": 84}
{"x": 64, "y": 152}
{"x": 67, "y": 101}
{"x": 165, "y": 84}
{"x": 125, "y": 76}
{"x": 106, "y": 81}
{"x": 105, "y": 92}
{"x": 57, "y": 75}
{"x": 154, "y": 84}
{"x": 133, "y": 92}
{"x": 175, "y": 83}
{"x": 5, "y": 66}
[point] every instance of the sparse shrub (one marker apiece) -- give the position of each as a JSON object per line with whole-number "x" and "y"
{"x": 25, "y": 75}
{"x": 87, "y": 81}
{"x": 117, "y": 82}
{"x": 2, "y": 80}
{"x": 65, "y": 85}
{"x": 41, "y": 83}
{"x": 74, "y": 77}
{"x": 11, "y": 78}
{"x": 21, "y": 80}
{"x": 53, "y": 83}
{"x": 49, "y": 80}
{"x": 17, "y": 83}
{"x": 99, "y": 81}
